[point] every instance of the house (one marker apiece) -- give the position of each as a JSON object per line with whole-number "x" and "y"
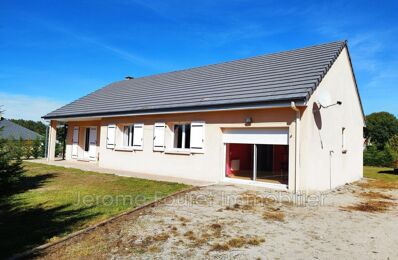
{"x": 12, "y": 131}
{"x": 291, "y": 120}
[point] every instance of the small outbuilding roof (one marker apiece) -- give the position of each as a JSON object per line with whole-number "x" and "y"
{"x": 272, "y": 78}
{"x": 10, "y": 130}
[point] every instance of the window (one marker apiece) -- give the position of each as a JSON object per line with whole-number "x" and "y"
{"x": 128, "y": 135}
{"x": 343, "y": 140}
{"x": 87, "y": 140}
{"x": 182, "y": 136}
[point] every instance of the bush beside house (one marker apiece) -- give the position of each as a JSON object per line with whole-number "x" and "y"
{"x": 382, "y": 135}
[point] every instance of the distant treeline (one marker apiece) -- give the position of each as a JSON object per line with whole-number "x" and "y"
{"x": 36, "y": 126}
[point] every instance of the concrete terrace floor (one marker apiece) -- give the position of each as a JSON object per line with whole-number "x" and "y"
{"x": 93, "y": 166}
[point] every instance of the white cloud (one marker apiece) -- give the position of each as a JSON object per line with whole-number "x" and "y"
{"x": 26, "y": 107}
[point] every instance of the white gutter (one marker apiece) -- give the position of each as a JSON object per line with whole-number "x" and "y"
{"x": 297, "y": 146}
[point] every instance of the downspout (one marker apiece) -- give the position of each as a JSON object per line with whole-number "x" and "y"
{"x": 297, "y": 144}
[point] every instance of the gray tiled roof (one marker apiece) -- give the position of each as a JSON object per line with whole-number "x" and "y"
{"x": 271, "y": 78}
{"x": 10, "y": 130}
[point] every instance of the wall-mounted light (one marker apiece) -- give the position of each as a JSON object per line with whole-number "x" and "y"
{"x": 248, "y": 121}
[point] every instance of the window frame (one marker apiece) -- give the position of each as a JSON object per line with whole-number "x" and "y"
{"x": 343, "y": 140}
{"x": 183, "y": 136}
{"x": 171, "y": 136}
{"x": 130, "y": 136}
{"x": 131, "y": 146}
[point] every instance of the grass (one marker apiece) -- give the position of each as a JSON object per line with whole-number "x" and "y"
{"x": 381, "y": 178}
{"x": 380, "y": 173}
{"x": 237, "y": 242}
{"x": 274, "y": 216}
{"x": 374, "y": 201}
{"x": 370, "y": 205}
{"x": 375, "y": 195}
{"x": 51, "y": 202}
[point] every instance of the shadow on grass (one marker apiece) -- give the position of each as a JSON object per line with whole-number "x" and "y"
{"x": 23, "y": 227}
{"x": 389, "y": 172}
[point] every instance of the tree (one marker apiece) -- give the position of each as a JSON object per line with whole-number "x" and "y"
{"x": 380, "y": 127}
{"x": 392, "y": 145}
{"x": 11, "y": 170}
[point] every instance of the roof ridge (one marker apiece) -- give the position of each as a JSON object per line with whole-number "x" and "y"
{"x": 344, "y": 42}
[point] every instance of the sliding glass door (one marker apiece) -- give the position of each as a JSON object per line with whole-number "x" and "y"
{"x": 257, "y": 162}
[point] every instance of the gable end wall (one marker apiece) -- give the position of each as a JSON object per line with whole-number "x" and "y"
{"x": 323, "y": 163}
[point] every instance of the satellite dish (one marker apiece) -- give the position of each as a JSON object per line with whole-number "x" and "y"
{"x": 324, "y": 99}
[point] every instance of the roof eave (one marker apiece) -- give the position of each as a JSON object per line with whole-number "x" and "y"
{"x": 196, "y": 109}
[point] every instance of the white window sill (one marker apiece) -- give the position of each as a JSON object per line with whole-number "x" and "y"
{"x": 178, "y": 151}
{"x": 182, "y": 151}
{"x": 124, "y": 149}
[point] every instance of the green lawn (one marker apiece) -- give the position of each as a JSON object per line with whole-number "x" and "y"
{"x": 52, "y": 201}
{"x": 379, "y": 173}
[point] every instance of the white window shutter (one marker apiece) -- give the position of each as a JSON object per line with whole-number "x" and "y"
{"x": 110, "y": 137}
{"x": 197, "y": 135}
{"x": 158, "y": 136}
{"x": 93, "y": 143}
{"x": 75, "y": 141}
{"x": 138, "y": 139}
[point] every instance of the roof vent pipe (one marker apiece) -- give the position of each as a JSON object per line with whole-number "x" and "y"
{"x": 128, "y": 77}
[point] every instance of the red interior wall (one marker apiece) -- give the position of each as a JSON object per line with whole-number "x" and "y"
{"x": 242, "y": 152}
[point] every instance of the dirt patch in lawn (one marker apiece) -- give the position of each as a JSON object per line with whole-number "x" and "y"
{"x": 237, "y": 242}
{"x": 228, "y": 222}
{"x": 372, "y": 206}
{"x": 378, "y": 184}
{"x": 376, "y": 195}
{"x": 274, "y": 215}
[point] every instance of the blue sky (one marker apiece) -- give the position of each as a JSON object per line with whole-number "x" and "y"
{"x": 52, "y": 52}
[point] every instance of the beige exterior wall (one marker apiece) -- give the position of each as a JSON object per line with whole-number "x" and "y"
{"x": 321, "y": 168}
{"x": 208, "y": 166}
{"x": 82, "y": 126}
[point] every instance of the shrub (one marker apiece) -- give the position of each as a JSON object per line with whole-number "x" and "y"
{"x": 36, "y": 148}
{"x": 374, "y": 157}
{"x": 27, "y": 148}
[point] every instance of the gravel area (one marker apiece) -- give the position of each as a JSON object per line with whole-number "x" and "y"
{"x": 356, "y": 221}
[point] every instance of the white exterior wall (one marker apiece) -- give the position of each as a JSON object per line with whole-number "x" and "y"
{"x": 319, "y": 170}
